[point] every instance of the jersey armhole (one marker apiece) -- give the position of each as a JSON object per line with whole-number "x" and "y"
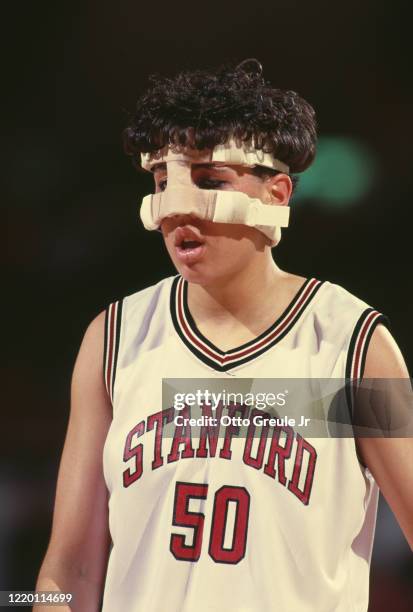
{"x": 113, "y": 319}
{"x": 357, "y": 354}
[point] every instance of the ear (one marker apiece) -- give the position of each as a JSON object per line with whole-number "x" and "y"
{"x": 279, "y": 188}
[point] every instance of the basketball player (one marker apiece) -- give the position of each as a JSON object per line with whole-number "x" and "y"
{"x": 209, "y": 519}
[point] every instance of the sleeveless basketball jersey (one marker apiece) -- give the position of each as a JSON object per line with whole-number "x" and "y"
{"x": 206, "y": 523}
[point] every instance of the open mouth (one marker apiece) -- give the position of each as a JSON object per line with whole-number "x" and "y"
{"x": 187, "y": 238}
{"x": 189, "y": 244}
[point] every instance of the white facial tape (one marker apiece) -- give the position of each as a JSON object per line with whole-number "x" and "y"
{"x": 179, "y": 174}
{"x": 217, "y": 206}
{"x": 182, "y": 197}
{"x": 227, "y": 153}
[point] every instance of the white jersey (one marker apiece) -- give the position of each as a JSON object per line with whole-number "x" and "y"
{"x": 213, "y": 523}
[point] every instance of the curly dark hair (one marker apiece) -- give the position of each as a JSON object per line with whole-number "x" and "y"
{"x": 203, "y": 109}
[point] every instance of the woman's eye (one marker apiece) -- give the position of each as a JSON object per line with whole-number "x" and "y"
{"x": 202, "y": 184}
{"x": 210, "y": 184}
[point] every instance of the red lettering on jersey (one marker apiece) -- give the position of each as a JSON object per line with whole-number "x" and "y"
{"x": 158, "y": 420}
{"x": 135, "y": 452}
{"x": 231, "y": 430}
{"x": 279, "y": 452}
{"x": 236, "y": 552}
{"x": 182, "y": 435}
{"x": 183, "y": 517}
{"x": 303, "y": 445}
{"x": 255, "y": 462}
{"x": 212, "y": 431}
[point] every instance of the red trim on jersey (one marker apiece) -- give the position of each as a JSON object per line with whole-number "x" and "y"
{"x": 186, "y": 329}
{"x": 111, "y": 328}
{"x": 360, "y": 347}
{"x": 361, "y": 342}
{"x": 225, "y": 358}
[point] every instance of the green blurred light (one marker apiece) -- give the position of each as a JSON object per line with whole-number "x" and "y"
{"x": 342, "y": 173}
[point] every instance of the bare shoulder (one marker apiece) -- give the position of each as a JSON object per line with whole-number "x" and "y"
{"x": 384, "y": 357}
{"x": 88, "y": 379}
{"x": 93, "y": 338}
{"x": 92, "y": 347}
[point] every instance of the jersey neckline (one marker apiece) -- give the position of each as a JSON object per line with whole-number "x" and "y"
{"x": 220, "y": 360}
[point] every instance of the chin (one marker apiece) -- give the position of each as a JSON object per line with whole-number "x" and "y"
{"x": 205, "y": 275}
{"x": 195, "y": 274}
{"x": 209, "y": 270}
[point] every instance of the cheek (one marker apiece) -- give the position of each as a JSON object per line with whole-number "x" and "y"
{"x": 167, "y": 235}
{"x": 232, "y": 242}
{"x": 167, "y": 227}
{"x": 233, "y": 232}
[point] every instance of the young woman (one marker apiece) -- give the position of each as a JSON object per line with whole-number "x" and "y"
{"x": 153, "y": 513}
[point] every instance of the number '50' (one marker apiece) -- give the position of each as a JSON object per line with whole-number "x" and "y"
{"x": 182, "y": 517}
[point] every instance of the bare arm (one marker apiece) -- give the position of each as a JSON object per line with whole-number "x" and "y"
{"x": 390, "y": 460}
{"x": 77, "y": 554}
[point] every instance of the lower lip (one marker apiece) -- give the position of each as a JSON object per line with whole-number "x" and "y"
{"x": 190, "y": 256}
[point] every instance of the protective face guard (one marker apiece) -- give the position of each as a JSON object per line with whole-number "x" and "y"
{"x": 181, "y": 196}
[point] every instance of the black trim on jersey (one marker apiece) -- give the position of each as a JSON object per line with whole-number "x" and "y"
{"x": 174, "y": 314}
{"x": 381, "y": 319}
{"x": 225, "y": 367}
{"x": 265, "y": 333}
{"x": 117, "y": 342}
{"x": 352, "y": 347}
{"x": 117, "y": 306}
{"x": 105, "y": 344}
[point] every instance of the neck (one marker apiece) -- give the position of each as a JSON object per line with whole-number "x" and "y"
{"x": 242, "y": 292}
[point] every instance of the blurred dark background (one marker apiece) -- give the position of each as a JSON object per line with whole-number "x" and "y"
{"x": 72, "y": 73}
